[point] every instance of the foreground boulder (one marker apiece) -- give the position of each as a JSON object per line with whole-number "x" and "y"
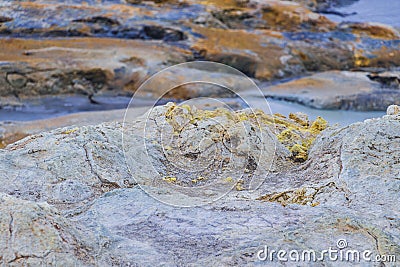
{"x": 347, "y": 189}
{"x": 34, "y": 234}
{"x": 78, "y": 164}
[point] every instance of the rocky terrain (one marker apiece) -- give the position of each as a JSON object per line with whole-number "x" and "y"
{"x": 52, "y": 47}
{"x": 346, "y": 90}
{"x": 183, "y": 185}
{"x": 68, "y": 196}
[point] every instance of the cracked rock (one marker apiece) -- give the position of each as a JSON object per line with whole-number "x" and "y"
{"x": 348, "y": 188}
{"x": 34, "y": 234}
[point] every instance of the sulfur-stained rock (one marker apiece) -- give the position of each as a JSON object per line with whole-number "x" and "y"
{"x": 267, "y": 40}
{"x": 78, "y": 66}
{"x": 183, "y": 83}
{"x": 393, "y": 110}
{"x": 375, "y": 30}
{"x": 201, "y": 141}
{"x": 273, "y": 15}
{"x": 212, "y": 137}
{"x": 204, "y": 152}
{"x": 69, "y": 198}
{"x": 348, "y": 188}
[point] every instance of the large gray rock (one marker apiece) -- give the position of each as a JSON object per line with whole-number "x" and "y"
{"x": 34, "y": 234}
{"x": 67, "y": 167}
{"x": 347, "y": 189}
{"x": 71, "y": 166}
{"x": 10, "y": 132}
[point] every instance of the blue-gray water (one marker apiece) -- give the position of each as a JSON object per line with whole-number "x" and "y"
{"x": 381, "y": 11}
{"x": 342, "y": 117}
{"x": 49, "y": 107}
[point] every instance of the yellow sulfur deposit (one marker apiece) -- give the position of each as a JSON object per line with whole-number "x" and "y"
{"x": 170, "y": 179}
{"x": 296, "y": 131}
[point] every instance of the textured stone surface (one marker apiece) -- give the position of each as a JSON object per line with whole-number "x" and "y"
{"x": 340, "y": 90}
{"x": 34, "y": 234}
{"x": 83, "y": 66}
{"x": 348, "y": 188}
{"x": 11, "y": 132}
{"x": 97, "y": 54}
{"x": 393, "y": 110}
{"x": 66, "y": 165}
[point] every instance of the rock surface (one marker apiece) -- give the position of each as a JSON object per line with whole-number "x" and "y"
{"x": 347, "y": 189}
{"x": 34, "y": 234}
{"x": 109, "y": 47}
{"x": 11, "y": 132}
{"x": 346, "y": 90}
{"x": 88, "y": 66}
{"x": 393, "y": 110}
{"x": 111, "y": 193}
